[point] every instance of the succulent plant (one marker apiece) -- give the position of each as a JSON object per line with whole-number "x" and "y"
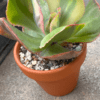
{"x": 49, "y": 23}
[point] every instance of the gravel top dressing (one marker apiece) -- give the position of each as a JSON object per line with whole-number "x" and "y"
{"x": 35, "y": 62}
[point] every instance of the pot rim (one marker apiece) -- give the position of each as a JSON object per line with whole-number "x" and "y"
{"x": 55, "y": 72}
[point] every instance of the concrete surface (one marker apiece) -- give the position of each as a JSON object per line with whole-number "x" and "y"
{"x": 14, "y": 85}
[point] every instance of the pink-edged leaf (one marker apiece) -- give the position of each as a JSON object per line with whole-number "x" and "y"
{"x": 91, "y": 29}
{"x": 53, "y": 50}
{"x": 38, "y": 16}
{"x": 59, "y": 53}
{"x": 4, "y": 31}
{"x": 71, "y": 11}
{"x": 55, "y": 20}
{"x": 45, "y": 11}
{"x": 54, "y": 23}
{"x": 29, "y": 42}
{"x": 53, "y": 5}
{"x": 52, "y": 15}
{"x": 18, "y": 14}
{"x": 60, "y": 34}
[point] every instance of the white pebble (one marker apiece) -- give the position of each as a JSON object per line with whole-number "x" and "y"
{"x": 56, "y": 67}
{"x": 29, "y": 58}
{"x": 21, "y": 54}
{"x": 27, "y": 62}
{"x": 46, "y": 69}
{"x": 40, "y": 59}
{"x": 42, "y": 68}
{"x": 21, "y": 47}
{"x": 28, "y": 53}
{"x": 52, "y": 68}
{"x": 21, "y": 59}
{"x": 24, "y": 64}
{"x": 34, "y": 62}
{"x": 79, "y": 48}
{"x": 29, "y": 66}
{"x": 37, "y": 68}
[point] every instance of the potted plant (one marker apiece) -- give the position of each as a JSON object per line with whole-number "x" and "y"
{"x": 50, "y": 28}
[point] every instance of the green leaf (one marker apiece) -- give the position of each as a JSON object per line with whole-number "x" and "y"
{"x": 59, "y": 34}
{"x": 4, "y": 31}
{"x": 26, "y": 40}
{"x": 33, "y": 33}
{"x": 18, "y": 14}
{"x": 92, "y": 12}
{"x": 91, "y": 29}
{"x": 53, "y": 50}
{"x": 52, "y": 15}
{"x": 53, "y": 5}
{"x": 86, "y": 38}
{"x": 71, "y": 11}
{"x": 45, "y": 11}
{"x": 88, "y": 33}
{"x": 54, "y": 23}
{"x": 28, "y": 5}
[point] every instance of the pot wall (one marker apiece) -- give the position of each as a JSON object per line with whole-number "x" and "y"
{"x": 56, "y": 82}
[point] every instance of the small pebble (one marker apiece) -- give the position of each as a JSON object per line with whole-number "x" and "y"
{"x": 34, "y": 62}
{"x": 56, "y": 67}
{"x": 52, "y": 68}
{"x": 79, "y": 48}
{"x": 28, "y": 53}
{"x": 37, "y": 68}
{"x": 21, "y": 55}
{"x": 27, "y": 62}
{"x": 46, "y": 69}
{"x": 29, "y": 58}
{"x": 29, "y": 66}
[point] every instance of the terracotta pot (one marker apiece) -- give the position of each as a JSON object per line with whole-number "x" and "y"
{"x": 56, "y": 82}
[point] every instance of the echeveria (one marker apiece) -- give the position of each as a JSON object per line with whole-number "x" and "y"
{"x": 48, "y": 23}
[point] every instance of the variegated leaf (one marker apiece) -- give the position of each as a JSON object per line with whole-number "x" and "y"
{"x": 33, "y": 33}
{"x": 31, "y": 43}
{"x": 91, "y": 29}
{"x": 54, "y": 23}
{"x": 71, "y": 11}
{"x": 52, "y": 15}
{"x": 4, "y": 31}
{"x": 53, "y": 5}
{"x": 38, "y": 16}
{"x": 45, "y": 11}
{"x": 59, "y": 34}
{"x": 18, "y": 14}
{"x": 53, "y": 50}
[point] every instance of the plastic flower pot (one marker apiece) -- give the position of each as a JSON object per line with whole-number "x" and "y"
{"x": 56, "y": 82}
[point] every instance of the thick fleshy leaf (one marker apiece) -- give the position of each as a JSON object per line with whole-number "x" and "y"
{"x": 92, "y": 11}
{"x": 27, "y": 4}
{"x": 91, "y": 29}
{"x": 4, "y": 31}
{"x": 18, "y": 14}
{"x": 38, "y": 16}
{"x": 53, "y": 5}
{"x": 52, "y": 15}
{"x": 34, "y": 34}
{"x": 54, "y": 23}
{"x": 71, "y": 11}
{"x": 31, "y": 43}
{"x": 57, "y": 52}
{"x": 53, "y": 50}
{"x": 45, "y": 11}
{"x": 59, "y": 34}
{"x": 85, "y": 38}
